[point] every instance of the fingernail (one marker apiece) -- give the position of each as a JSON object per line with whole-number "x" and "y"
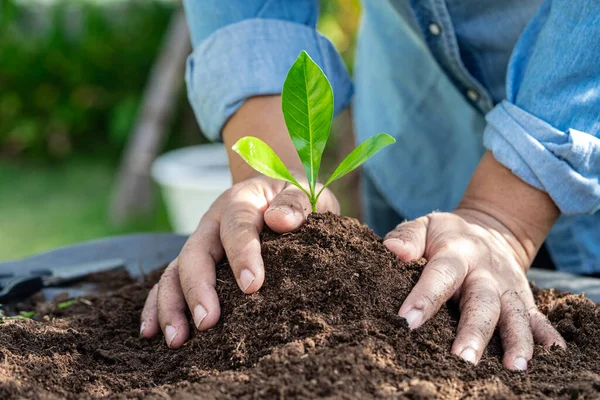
{"x": 394, "y": 240}
{"x": 246, "y": 279}
{"x": 414, "y": 318}
{"x": 404, "y": 250}
{"x": 394, "y": 244}
{"x": 520, "y": 364}
{"x": 142, "y": 327}
{"x": 170, "y": 334}
{"x": 469, "y": 355}
{"x": 288, "y": 211}
{"x": 560, "y": 343}
{"x": 199, "y": 315}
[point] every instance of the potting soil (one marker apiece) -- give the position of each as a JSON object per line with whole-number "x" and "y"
{"x": 324, "y": 325}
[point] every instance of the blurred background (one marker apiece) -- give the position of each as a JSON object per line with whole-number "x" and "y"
{"x": 80, "y": 83}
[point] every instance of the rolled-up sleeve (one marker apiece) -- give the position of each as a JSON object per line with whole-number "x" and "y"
{"x": 244, "y": 48}
{"x": 547, "y": 131}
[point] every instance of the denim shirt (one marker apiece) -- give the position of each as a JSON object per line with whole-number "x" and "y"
{"x": 448, "y": 79}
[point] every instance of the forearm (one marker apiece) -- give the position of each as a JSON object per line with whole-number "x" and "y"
{"x": 525, "y": 211}
{"x": 261, "y": 117}
{"x": 546, "y": 131}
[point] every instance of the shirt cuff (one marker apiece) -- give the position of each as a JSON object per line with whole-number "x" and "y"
{"x": 566, "y": 165}
{"x": 251, "y": 58}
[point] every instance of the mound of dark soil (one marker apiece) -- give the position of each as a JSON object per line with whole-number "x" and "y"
{"x": 323, "y": 325}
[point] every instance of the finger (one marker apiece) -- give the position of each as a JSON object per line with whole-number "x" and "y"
{"x": 149, "y": 326}
{"x": 543, "y": 331}
{"x": 289, "y": 209}
{"x": 408, "y": 240}
{"x": 480, "y": 311}
{"x": 515, "y": 332}
{"x": 441, "y": 278}
{"x": 197, "y": 274}
{"x": 241, "y": 223}
{"x": 172, "y": 307}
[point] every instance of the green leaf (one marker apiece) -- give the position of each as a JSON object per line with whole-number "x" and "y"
{"x": 66, "y": 304}
{"x": 359, "y": 155}
{"x": 20, "y": 316}
{"x": 262, "y": 158}
{"x": 307, "y": 103}
{"x": 27, "y": 314}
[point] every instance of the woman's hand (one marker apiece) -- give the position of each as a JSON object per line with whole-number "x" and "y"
{"x": 230, "y": 228}
{"x": 475, "y": 260}
{"x": 478, "y": 255}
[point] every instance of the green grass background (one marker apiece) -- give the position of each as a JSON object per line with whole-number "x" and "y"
{"x": 43, "y": 206}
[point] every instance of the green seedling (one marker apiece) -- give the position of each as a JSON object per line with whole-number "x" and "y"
{"x": 66, "y": 304}
{"x": 307, "y": 104}
{"x": 22, "y": 315}
{"x": 30, "y": 314}
{"x": 26, "y": 314}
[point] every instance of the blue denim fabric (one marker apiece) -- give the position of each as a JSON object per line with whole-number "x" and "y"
{"x": 447, "y": 79}
{"x": 245, "y": 48}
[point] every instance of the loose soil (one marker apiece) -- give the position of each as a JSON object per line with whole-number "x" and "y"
{"x": 323, "y": 325}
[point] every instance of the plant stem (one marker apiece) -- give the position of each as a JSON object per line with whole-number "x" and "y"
{"x": 313, "y": 199}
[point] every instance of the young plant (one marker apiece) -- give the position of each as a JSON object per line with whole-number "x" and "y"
{"x": 307, "y": 103}
{"x": 66, "y": 304}
{"x": 21, "y": 315}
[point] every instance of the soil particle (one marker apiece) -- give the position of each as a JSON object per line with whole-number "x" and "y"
{"x": 324, "y": 325}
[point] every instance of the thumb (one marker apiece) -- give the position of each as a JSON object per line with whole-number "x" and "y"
{"x": 408, "y": 239}
{"x": 289, "y": 209}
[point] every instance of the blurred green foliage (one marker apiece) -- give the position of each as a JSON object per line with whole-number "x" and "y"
{"x": 72, "y": 73}
{"x": 339, "y": 21}
{"x": 42, "y": 208}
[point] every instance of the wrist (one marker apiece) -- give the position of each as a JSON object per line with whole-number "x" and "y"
{"x": 521, "y": 214}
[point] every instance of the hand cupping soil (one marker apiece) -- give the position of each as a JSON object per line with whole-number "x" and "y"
{"x": 324, "y": 324}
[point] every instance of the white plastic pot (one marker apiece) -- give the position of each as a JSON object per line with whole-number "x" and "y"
{"x": 191, "y": 179}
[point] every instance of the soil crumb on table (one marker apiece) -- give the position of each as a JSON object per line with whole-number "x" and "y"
{"x": 324, "y": 324}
